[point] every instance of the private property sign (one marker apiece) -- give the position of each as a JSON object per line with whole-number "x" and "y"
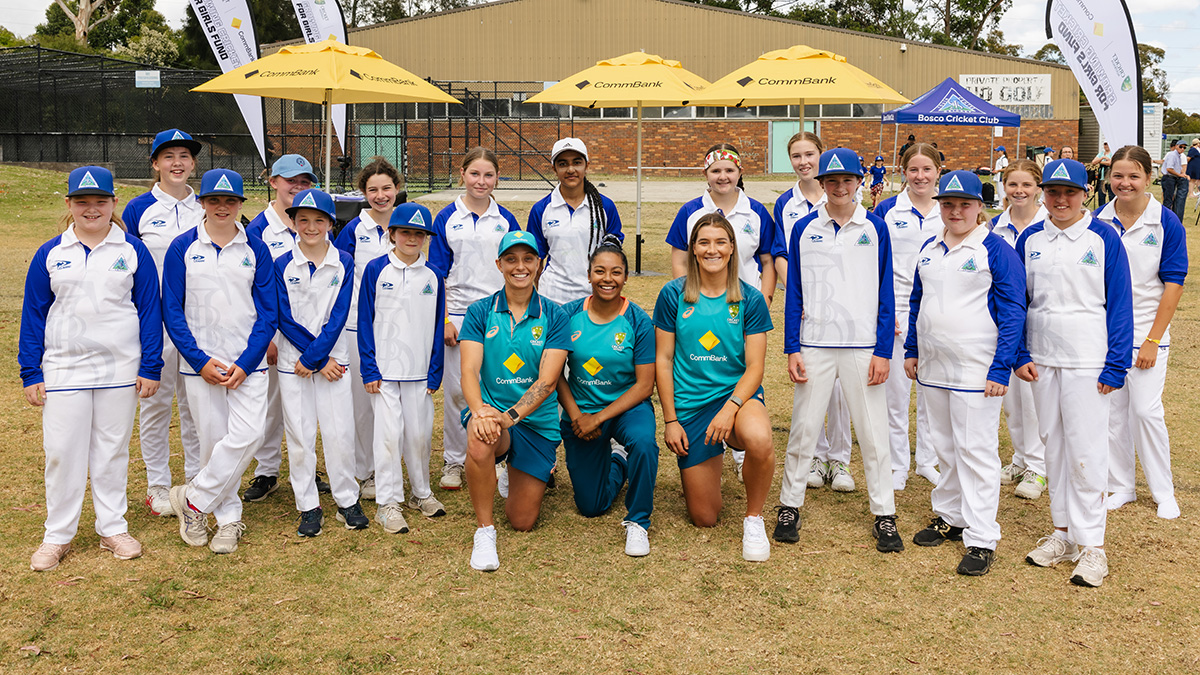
{"x": 1009, "y": 90}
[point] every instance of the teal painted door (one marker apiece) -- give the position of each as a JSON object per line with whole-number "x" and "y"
{"x": 781, "y": 131}
{"x": 385, "y": 140}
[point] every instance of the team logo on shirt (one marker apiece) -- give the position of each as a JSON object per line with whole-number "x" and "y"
{"x": 864, "y": 240}
{"x": 493, "y": 331}
{"x": 120, "y": 265}
{"x": 197, "y": 258}
{"x": 688, "y": 312}
{"x": 513, "y": 363}
{"x": 500, "y": 227}
{"x": 387, "y": 286}
{"x": 592, "y": 366}
{"x": 364, "y": 239}
{"x": 293, "y": 281}
{"x": 1034, "y": 255}
{"x": 792, "y": 214}
{"x": 901, "y": 224}
{"x": 456, "y": 227}
{"x": 969, "y": 266}
{"x": 747, "y": 229}
{"x": 337, "y": 281}
{"x": 576, "y": 335}
{"x": 275, "y": 244}
{"x": 619, "y": 343}
{"x": 924, "y": 261}
{"x": 734, "y": 310}
{"x": 428, "y": 290}
{"x": 552, "y": 223}
{"x": 246, "y": 261}
{"x": 537, "y": 335}
{"x": 62, "y": 264}
{"x": 816, "y": 238}
{"x": 1089, "y": 259}
{"x": 158, "y": 223}
{"x": 1150, "y": 240}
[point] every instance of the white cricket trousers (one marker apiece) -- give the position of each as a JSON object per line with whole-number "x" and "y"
{"x": 1073, "y": 423}
{"x": 310, "y": 403}
{"x": 87, "y": 431}
{"x": 964, "y": 427}
{"x": 868, "y": 412}
{"x": 230, "y": 426}
{"x": 1137, "y": 421}
{"x": 154, "y": 432}
{"x": 269, "y": 454}
{"x": 364, "y": 413}
{"x": 1021, "y": 414}
{"x": 899, "y": 398}
{"x": 834, "y": 443}
{"x": 403, "y": 429}
{"x": 454, "y": 435}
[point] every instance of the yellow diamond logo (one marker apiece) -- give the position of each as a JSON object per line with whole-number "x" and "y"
{"x": 592, "y": 366}
{"x": 513, "y": 363}
{"x": 236, "y": 23}
{"x": 709, "y": 340}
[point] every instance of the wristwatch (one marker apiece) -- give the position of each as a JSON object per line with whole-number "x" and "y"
{"x": 513, "y": 415}
{"x": 736, "y": 401}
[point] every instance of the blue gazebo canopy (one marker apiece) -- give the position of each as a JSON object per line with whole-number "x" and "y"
{"x": 952, "y": 104}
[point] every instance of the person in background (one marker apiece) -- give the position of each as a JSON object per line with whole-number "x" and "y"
{"x": 998, "y": 169}
{"x": 1174, "y": 180}
{"x": 1066, "y": 152}
{"x": 1193, "y": 167}
{"x": 1103, "y": 161}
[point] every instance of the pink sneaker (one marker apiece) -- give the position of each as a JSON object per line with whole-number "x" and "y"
{"x": 47, "y": 556}
{"x": 122, "y": 546}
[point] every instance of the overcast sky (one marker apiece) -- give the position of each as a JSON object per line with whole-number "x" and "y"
{"x": 1173, "y": 25}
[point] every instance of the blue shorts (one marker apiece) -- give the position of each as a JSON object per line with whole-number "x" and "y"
{"x": 696, "y": 426}
{"x": 528, "y": 451}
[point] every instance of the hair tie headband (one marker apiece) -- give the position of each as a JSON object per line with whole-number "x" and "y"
{"x": 718, "y": 155}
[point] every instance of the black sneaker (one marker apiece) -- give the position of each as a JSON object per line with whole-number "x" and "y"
{"x": 322, "y": 487}
{"x": 787, "y": 524}
{"x": 310, "y": 522}
{"x": 353, "y": 517}
{"x": 938, "y": 533}
{"x": 551, "y": 483}
{"x": 887, "y": 538}
{"x": 260, "y": 487}
{"x": 977, "y": 561}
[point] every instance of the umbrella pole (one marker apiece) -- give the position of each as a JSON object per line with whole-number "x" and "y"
{"x": 328, "y": 136}
{"x": 638, "y": 244}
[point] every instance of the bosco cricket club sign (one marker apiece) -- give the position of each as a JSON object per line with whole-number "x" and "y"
{"x": 229, "y": 28}
{"x": 1097, "y": 39}
{"x": 320, "y": 20}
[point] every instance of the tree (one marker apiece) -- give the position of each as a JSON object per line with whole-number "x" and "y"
{"x": 85, "y": 15}
{"x": 1154, "y": 79}
{"x": 10, "y": 39}
{"x": 960, "y": 23}
{"x": 1177, "y": 122}
{"x": 1050, "y": 53}
{"x": 151, "y": 46}
{"x": 127, "y": 22}
{"x": 880, "y": 17}
{"x": 274, "y": 21}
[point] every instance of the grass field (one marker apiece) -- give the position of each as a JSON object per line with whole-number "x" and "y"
{"x": 566, "y": 599}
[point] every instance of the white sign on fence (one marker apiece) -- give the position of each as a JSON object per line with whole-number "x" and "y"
{"x": 147, "y": 79}
{"x": 1009, "y": 90}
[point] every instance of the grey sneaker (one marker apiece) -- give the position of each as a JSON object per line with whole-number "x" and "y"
{"x": 1010, "y": 473}
{"x": 1091, "y": 568}
{"x": 367, "y": 491}
{"x": 193, "y": 525}
{"x": 839, "y": 477}
{"x": 1032, "y": 486}
{"x": 452, "y": 477}
{"x": 502, "y": 479}
{"x": 430, "y": 507}
{"x": 1050, "y": 551}
{"x": 391, "y": 518}
{"x": 816, "y": 473}
{"x": 47, "y": 556}
{"x": 226, "y": 538}
{"x": 158, "y": 498}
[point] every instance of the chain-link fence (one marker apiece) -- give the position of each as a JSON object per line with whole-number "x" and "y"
{"x": 78, "y": 109}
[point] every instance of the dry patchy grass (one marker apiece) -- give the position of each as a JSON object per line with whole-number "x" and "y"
{"x": 566, "y": 598}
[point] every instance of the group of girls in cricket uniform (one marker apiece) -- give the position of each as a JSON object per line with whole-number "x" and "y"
{"x": 536, "y": 345}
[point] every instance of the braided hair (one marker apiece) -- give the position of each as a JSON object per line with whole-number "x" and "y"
{"x": 609, "y": 243}
{"x": 597, "y": 217}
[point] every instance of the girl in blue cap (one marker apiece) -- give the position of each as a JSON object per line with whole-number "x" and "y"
{"x": 1076, "y": 351}
{"x": 313, "y": 280}
{"x": 90, "y": 346}
{"x": 219, "y": 306}
{"x": 711, "y": 344}
{"x": 878, "y": 173}
{"x": 967, "y": 316}
{"x": 401, "y": 310}
{"x": 514, "y": 344}
{"x": 156, "y": 217}
{"x": 605, "y": 396}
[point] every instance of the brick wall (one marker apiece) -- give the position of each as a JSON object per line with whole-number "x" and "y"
{"x": 964, "y": 147}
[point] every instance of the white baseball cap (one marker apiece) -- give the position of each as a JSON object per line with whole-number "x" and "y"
{"x": 564, "y": 144}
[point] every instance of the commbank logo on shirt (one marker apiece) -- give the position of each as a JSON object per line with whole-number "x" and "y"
{"x": 1089, "y": 259}
{"x": 592, "y": 366}
{"x": 513, "y": 363}
{"x": 708, "y": 341}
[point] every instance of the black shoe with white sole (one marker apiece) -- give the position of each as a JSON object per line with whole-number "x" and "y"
{"x": 887, "y": 539}
{"x": 352, "y": 517}
{"x": 976, "y": 562}
{"x": 787, "y": 524}
{"x": 937, "y": 533}
{"x": 322, "y": 486}
{"x": 310, "y": 522}
{"x": 260, "y": 487}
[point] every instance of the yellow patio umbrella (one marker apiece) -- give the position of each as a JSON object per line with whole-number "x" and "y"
{"x": 633, "y": 80}
{"x": 327, "y": 72}
{"x": 797, "y": 75}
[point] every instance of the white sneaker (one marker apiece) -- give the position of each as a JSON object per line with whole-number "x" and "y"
{"x": 193, "y": 525}
{"x": 1031, "y": 487}
{"x": 483, "y": 554}
{"x": 899, "y": 480}
{"x": 755, "y": 545}
{"x": 227, "y": 536}
{"x": 929, "y": 473}
{"x": 637, "y": 541}
{"x": 739, "y": 458}
{"x": 816, "y": 473}
{"x": 452, "y": 477}
{"x": 1050, "y": 551}
{"x": 367, "y": 491}
{"x": 1168, "y": 510}
{"x": 1091, "y": 568}
{"x": 842, "y": 480}
{"x": 158, "y": 498}
{"x": 1116, "y": 500}
{"x": 391, "y": 517}
{"x": 430, "y": 507}
{"x": 1010, "y": 473}
{"x": 502, "y": 479}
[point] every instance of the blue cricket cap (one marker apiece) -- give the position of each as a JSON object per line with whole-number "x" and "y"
{"x": 1000, "y": 148}
{"x": 412, "y": 216}
{"x": 1064, "y": 172}
{"x": 962, "y": 184}
{"x": 290, "y": 166}
{"x": 517, "y": 238}
{"x": 221, "y": 182}
{"x": 839, "y": 161}
{"x": 174, "y": 138}
{"x": 90, "y": 180}
{"x": 316, "y": 200}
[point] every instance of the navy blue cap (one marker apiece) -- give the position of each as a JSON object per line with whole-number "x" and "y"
{"x": 412, "y": 216}
{"x": 839, "y": 160}
{"x": 962, "y": 184}
{"x": 1064, "y": 172}
{"x": 221, "y": 182}
{"x": 172, "y": 138}
{"x": 90, "y": 180}
{"x": 316, "y": 200}
{"x": 290, "y": 166}
{"x": 517, "y": 238}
